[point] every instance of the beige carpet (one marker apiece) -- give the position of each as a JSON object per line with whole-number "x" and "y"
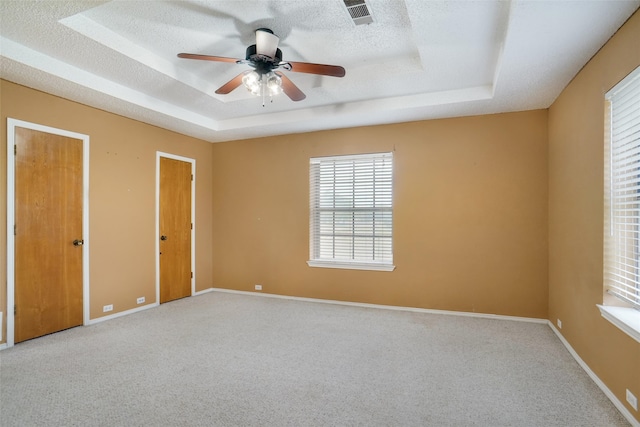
{"x": 224, "y": 359}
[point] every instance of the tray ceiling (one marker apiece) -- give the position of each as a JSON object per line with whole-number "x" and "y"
{"x": 417, "y": 60}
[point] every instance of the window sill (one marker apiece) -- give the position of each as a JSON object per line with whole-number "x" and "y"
{"x": 626, "y": 319}
{"x": 351, "y": 265}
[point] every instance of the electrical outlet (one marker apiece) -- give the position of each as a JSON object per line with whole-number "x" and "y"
{"x": 258, "y": 287}
{"x": 107, "y": 308}
{"x": 140, "y": 300}
{"x": 559, "y": 322}
{"x": 633, "y": 401}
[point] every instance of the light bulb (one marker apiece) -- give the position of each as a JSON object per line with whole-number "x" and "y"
{"x": 274, "y": 83}
{"x": 252, "y": 82}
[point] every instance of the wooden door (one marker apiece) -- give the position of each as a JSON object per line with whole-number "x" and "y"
{"x": 48, "y": 218}
{"x": 175, "y": 229}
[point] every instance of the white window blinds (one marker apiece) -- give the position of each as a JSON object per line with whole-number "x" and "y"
{"x": 623, "y": 262}
{"x": 351, "y": 209}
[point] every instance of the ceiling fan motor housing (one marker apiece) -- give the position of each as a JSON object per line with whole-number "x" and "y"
{"x": 262, "y": 63}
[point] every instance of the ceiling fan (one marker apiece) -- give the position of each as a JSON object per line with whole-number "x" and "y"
{"x": 265, "y": 58}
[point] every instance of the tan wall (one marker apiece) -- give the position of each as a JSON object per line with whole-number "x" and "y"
{"x": 576, "y": 185}
{"x": 470, "y": 215}
{"x": 122, "y": 195}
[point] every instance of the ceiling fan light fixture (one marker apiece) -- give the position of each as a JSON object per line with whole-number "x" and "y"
{"x": 268, "y": 84}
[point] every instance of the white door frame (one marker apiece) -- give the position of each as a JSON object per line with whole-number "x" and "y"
{"x": 160, "y": 154}
{"x": 11, "y": 125}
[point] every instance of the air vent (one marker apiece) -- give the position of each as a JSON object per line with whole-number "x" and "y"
{"x": 358, "y": 11}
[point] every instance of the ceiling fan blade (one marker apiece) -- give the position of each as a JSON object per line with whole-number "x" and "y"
{"x": 321, "y": 69}
{"x": 266, "y": 42}
{"x": 229, "y": 86}
{"x": 290, "y": 89}
{"x": 207, "y": 57}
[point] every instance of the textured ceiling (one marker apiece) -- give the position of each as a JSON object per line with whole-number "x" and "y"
{"x": 419, "y": 59}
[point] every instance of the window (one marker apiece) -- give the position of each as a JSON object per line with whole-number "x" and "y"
{"x": 351, "y": 210}
{"x": 622, "y": 197}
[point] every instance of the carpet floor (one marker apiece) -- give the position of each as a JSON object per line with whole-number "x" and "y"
{"x": 222, "y": 359}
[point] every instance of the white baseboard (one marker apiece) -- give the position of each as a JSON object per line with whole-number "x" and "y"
{"x": 612, "y": 397}
{"x": 388, "y": 307}
{"x": 122, "y": 313}
{"x": 137, "y": 309}
{"x": 116, "y": 315}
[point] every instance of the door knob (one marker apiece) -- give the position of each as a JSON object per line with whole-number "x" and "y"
{"x": 163, "y": 237}
{"x": 78, "y": 242}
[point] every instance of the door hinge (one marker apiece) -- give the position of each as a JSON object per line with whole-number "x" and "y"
{"x": 15, "y": 233}
{"x": 192, "y": 226}
{"x": 191, "y": 177}
{"x": 192, "y": 274}
{"x": 15, "y": 150}
{"x": 15, "y": 310}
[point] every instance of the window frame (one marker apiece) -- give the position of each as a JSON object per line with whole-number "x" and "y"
{"x": 618, "y": 308}
{"x": 355, "y": 263}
